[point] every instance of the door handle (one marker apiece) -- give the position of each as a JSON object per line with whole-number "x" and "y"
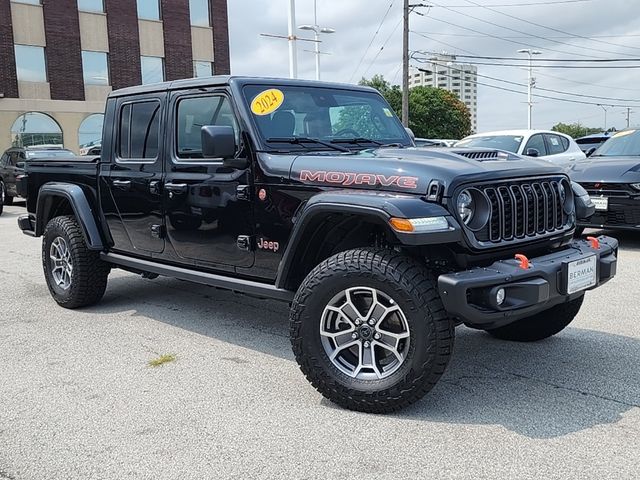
{"x": 121, "y": 184}
{"x": 176, "y": 187}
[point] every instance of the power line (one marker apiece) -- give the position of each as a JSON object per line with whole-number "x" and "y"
{"x": 561, "y": 92}
{"x": 530, "y": 4}
{"x": 382, "y": 47}
{"x": 497, "y": 37}
{"x": 506, "y": 89}
{"x": 529, "y": 22}
{"x": 570, "y": 67}
{"x": 583, "y": 60}
{"x": 468, "y": 35}
{"x": 577, "y": 82}
{"x": 441, "y": 42}
{"x": 546, "y": 39}
{"x": 384, "y": 17}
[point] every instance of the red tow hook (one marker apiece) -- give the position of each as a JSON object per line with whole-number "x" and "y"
{"x": 524, "y": 261}
{"x": 595, "y": 243}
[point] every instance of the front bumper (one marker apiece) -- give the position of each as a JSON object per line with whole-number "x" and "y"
{"x": 469, "y": 296}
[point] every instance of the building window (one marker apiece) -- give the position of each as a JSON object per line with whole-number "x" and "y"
{"x": 31, "y": 2}
{"x": 149, "y": 9}
{"x": 30, "y": 63}
{"x": 202, "y": 69}
{"x": 139, "y": 130}
{"x": 199, "y": 12}
{"x": 35, "y": 128}
{"x": 96, "y": 6}
{"x": 95, "y": 68}
{"x": 152, "y": 69}
{"x": 90, "y": 132}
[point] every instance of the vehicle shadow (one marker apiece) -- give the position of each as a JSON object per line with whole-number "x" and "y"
{"x": 572, "y": 382}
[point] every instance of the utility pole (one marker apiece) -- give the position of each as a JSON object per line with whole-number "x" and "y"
{"x": 405, "y": 64}
{"x": 628, "y": 117}
{"x": 531, "y": 83}
{"x": 407, "y": 9}
{"x": 605, "y": 116}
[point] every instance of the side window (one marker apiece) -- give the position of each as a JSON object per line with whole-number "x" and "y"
{"x": 537, "y": 142}
{"x": 139, "y": 130}
{"x": 555, "y": 144}
{"x": 13, "y": 159}
{"x": 197, "y": 112}
{"x": 3, "y": 160}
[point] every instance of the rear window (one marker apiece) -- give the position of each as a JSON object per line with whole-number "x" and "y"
{"x": 510, "y": 143}
{"x": 139, "y": 130}
{"x": 49, "y": 154}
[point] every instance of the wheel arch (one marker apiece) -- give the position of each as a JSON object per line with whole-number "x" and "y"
{"x": 336, "y": 221}
{"x": 55, "y": 199}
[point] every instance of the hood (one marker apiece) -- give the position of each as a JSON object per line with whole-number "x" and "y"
{"x": 607, "y": 170}
{"x": 408, "y": 170}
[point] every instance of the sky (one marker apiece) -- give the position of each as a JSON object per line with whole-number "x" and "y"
{"x": 573, "y": 29}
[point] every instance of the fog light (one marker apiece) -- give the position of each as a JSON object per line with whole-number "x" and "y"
{"x": 500, "y": 296}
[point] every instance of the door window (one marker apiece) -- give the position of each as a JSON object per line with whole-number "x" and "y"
{"x": 197, "y": 112}
{"x": 555, "y": 144}
{"x": 4, "y": 159}
{"x": 139, "y": 131}
{"x": 537, "y": 142}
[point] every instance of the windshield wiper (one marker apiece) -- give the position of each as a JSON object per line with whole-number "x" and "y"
{"x": 303, "y": 140}
{"x": 359, "y": 140}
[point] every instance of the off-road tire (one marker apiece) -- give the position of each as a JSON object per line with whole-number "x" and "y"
{"x": 542, "y": 325}
{"x": 89, "y": 274}
{"x": 413, "y": 289}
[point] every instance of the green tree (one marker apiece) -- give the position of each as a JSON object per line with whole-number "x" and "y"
{"x": 433, "y": 112}
{"x": 575, "y": 130}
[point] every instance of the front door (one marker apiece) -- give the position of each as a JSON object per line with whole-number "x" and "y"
{"x": 208, "y": 216}
{"x": 133, "y": 206}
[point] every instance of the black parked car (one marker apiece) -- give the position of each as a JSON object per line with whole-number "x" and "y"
{"x": 12, "y": 165}
{"x": 612, "y": 177}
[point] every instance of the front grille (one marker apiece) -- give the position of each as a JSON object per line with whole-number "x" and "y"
{"x": 609, "y": 189}
{"x": 619, "y": 215}
{"x": 523, "y": 210}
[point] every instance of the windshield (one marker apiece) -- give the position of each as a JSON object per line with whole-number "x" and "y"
{"x": 350, "y": 118}
{"x": 50, "y": 154}
{"x": 510, "y": 143}
{"x": 625, "y": 143}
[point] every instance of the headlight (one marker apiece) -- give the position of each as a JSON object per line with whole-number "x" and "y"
{"x": 465, "y": 206}
{"x": 636, "y": 186}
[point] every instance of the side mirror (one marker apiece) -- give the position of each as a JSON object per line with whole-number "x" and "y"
{"x": 591, "y": 151}
{"x": 218, "y": 142}
{"x": 20, "y": 165}
{"x": 410, "y": 132}
{"x": 532, "y": 152}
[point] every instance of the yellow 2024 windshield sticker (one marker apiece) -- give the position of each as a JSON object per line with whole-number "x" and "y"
{"x": 267, "y": 102}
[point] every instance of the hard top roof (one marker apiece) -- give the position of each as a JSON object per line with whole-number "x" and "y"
{"x": 220, "y": 80}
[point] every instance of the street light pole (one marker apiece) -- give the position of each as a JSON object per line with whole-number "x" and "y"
{"x": 605, "y": 116}
{"x": 317, "y": 30}
{"x": 531, "y": 82}
{"x": 293, "y": 50}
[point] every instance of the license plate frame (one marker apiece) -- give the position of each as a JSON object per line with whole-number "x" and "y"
{"x": 601, "y": 203}
{"x": 581, "y": 274}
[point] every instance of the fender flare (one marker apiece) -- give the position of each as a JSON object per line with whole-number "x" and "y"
{"x": 378, "y": 206}
{"x": 81, "y": 209}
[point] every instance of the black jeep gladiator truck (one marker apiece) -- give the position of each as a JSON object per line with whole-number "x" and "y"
{"x": 314, "y": 194}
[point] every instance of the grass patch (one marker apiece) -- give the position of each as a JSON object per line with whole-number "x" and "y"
{"x": 162, "y": 359}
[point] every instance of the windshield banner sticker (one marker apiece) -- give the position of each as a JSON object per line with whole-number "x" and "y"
{"x": 267, "y": 102}
{"x": 348, "y": 178}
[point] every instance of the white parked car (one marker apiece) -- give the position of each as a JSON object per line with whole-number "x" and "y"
{"x": 554, "y": 147}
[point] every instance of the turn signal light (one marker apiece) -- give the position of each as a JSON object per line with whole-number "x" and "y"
{"x": 401, "y": 224}
{"x": 419, "y": 225}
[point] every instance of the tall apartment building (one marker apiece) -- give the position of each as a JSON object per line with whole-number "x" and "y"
{"x": 459, "y": 78}
{"x": 59, "y": 59}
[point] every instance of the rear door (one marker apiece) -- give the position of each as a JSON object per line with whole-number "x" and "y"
{"x": 209, "y": 217}
{"x": 133, "y": 206}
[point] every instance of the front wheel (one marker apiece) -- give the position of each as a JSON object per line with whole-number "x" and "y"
{"x": 75, "y": 275}
{"x": 369, "y": 331}
{"x": 542, "y": 325}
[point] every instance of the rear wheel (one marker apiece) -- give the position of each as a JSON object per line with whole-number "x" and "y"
{"x": 75, "y": 275}
{"x": 369, "y": 331}
{"x": 542, "y": 325}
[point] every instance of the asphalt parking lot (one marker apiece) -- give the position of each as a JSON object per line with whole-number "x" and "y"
{"x": 78, "y": 399}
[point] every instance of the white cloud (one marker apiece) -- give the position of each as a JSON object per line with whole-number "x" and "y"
{"x": 355, "y": 22}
